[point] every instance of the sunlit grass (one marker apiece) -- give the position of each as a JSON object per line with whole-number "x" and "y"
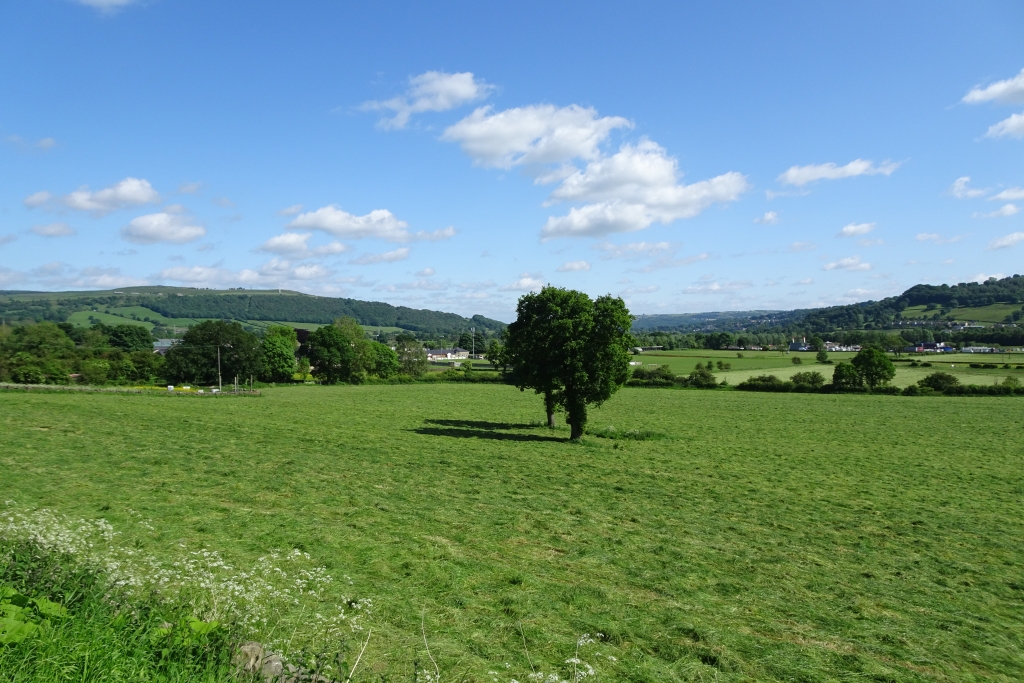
{"x": 767, "y": 537}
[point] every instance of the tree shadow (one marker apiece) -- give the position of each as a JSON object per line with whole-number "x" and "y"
{"x": 481, "y": 424}
{"x": 483, "y": 434}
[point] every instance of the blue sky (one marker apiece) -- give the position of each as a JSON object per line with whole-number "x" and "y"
{"x": 688, "y": 157}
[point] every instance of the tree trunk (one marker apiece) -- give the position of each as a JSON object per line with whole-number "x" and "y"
{"x": 577, "y": 417}
{"x": 549, "y": 406}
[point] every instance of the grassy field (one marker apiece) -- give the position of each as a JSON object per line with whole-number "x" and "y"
{"x": 995, "y": 313}
{"x": 781, "y": 365}
{"x": 765, "y": 537}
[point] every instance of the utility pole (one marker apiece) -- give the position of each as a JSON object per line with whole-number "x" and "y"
{"x": 220, "y": 384}
{"x": 472, "y": 335}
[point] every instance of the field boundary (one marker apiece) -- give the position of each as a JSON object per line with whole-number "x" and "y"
{"x": 9, "y": 386}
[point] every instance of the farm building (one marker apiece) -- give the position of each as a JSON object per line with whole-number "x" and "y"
{"x": 447, "y": 354}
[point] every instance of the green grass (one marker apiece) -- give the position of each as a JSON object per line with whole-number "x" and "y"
{"x": 768, "y": 537}
{"x": 994, "y": 313}
{"x": 781, "y": 365}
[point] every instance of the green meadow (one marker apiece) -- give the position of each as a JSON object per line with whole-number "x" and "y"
{"x": 752, "y": 537}
{"x": 781, "y": 365}
{"x": 993, "y": 313}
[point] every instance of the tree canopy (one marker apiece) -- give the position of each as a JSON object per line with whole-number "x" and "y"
{"x": 195, "y": 358}
{"x": 571, "y": 348}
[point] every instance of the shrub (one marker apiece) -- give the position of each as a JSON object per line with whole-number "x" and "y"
{"x": 797, "y": 360}
{"x": 765, "y": 383}
{"x": 939, "y": 381}
{"x": 809, "y": 379}
{"x": 912, "y": 390}
{"x": 926, "y": 364}
{"x": 701, "y": 378}
{"x": 663, "y": 372}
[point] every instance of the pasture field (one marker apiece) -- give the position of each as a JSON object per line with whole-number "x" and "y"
{"x": 763, "y": 537}
{"x": 994, "y": 313}
{"x": 781, "y": 365}
{"x": 123, "y": 316}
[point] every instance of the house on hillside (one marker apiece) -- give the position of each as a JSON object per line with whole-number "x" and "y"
{"x": 447, "y": 354}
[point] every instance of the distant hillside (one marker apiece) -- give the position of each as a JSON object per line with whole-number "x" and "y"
{"x": 882, "y": 314}
{"x": 713, "y": 322}
{"x": 242, "y": 305}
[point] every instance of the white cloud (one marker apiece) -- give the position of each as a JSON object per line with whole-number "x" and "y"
{"x": 525, "y": 283}
{"x": 633, "y": 250}
{"x": 718, "y": 287}
{"x": 670, "y": 262}
{"x": 421, "y": 284}
{"x": 44, "y": 144}
{"x": 399, "y": 254}
{"x": 869, "y": 243}
{"x": 9, "y": 277}
{"x": 436, "y": 235}
{"x": 477, "y": 286}
{"x": 641, "y": 290}
{"x": 310, "y": 271}
{"x": 802, "y": 246}
{"x": 855, "y": 229}
{"x": 53, "y": 230}
{"x": 632, "y": 189}
{"x": 982, "y": 277}
{"x": 431, "y": 91}
{"x": 1007, "y": 92}
{"x": 769, "y": 218}
{"x": 573, "y": 266}
{"x": 292, "y": 210}
{"x": 595, "y": 220}
{"x": 936, "y": 238}
{"x": 803, "y": 283}
{"x": 106, "y": 5}
{"x": 104, "y": 278}
{"x": 947, "y": 262}
{"x": 379, "y": 224}
{"x": 849, "y": 263}
{"x": 859, "y": 292}
{"x": 960, "y": 190}
{"x": 426, "y": 272}
{"x": 1010, "y": 127}
{"x": 801, "y": 175}
{"x": 223, "y": 202}
{"x": 128, "y": 192}
{"x": 1007, "y": 241}
{"x": 1008, "y": 195}
{"x": 296, "y": 245}
{"x": 536, "y": 134}
{"x": 1001, "y": 212}
{"x": 6, "y": 239}
{"x": 189, "y": 188}
{"x": 272, "y": 273}
{"x": 37, "y": 199}
{"x": 162, "y": 227}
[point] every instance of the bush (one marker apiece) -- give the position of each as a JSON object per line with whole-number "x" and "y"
{"x": 701, "y": 378}
{"x": 939, "y": 381}
{"x": 766, "y": 383}
{"x": 912, "y": 390}
{"x": 662, "y": 372}
{"x": 809, "y": 379}
{"x": 797, "y": 360}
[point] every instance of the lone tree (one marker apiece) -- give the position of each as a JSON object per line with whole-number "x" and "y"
{"x": 570, "y": 348}
{"x": 874, "y": 366}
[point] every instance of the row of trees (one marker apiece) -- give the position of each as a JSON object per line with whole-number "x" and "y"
{"x": 59, "y": 353}
{"x": 569, "y": 348}
{"x": 334, "y": 353}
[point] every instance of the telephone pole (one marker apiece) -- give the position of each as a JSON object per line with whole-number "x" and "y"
{"x": 220, "y": 384}
{"x": 472, "y": 335}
